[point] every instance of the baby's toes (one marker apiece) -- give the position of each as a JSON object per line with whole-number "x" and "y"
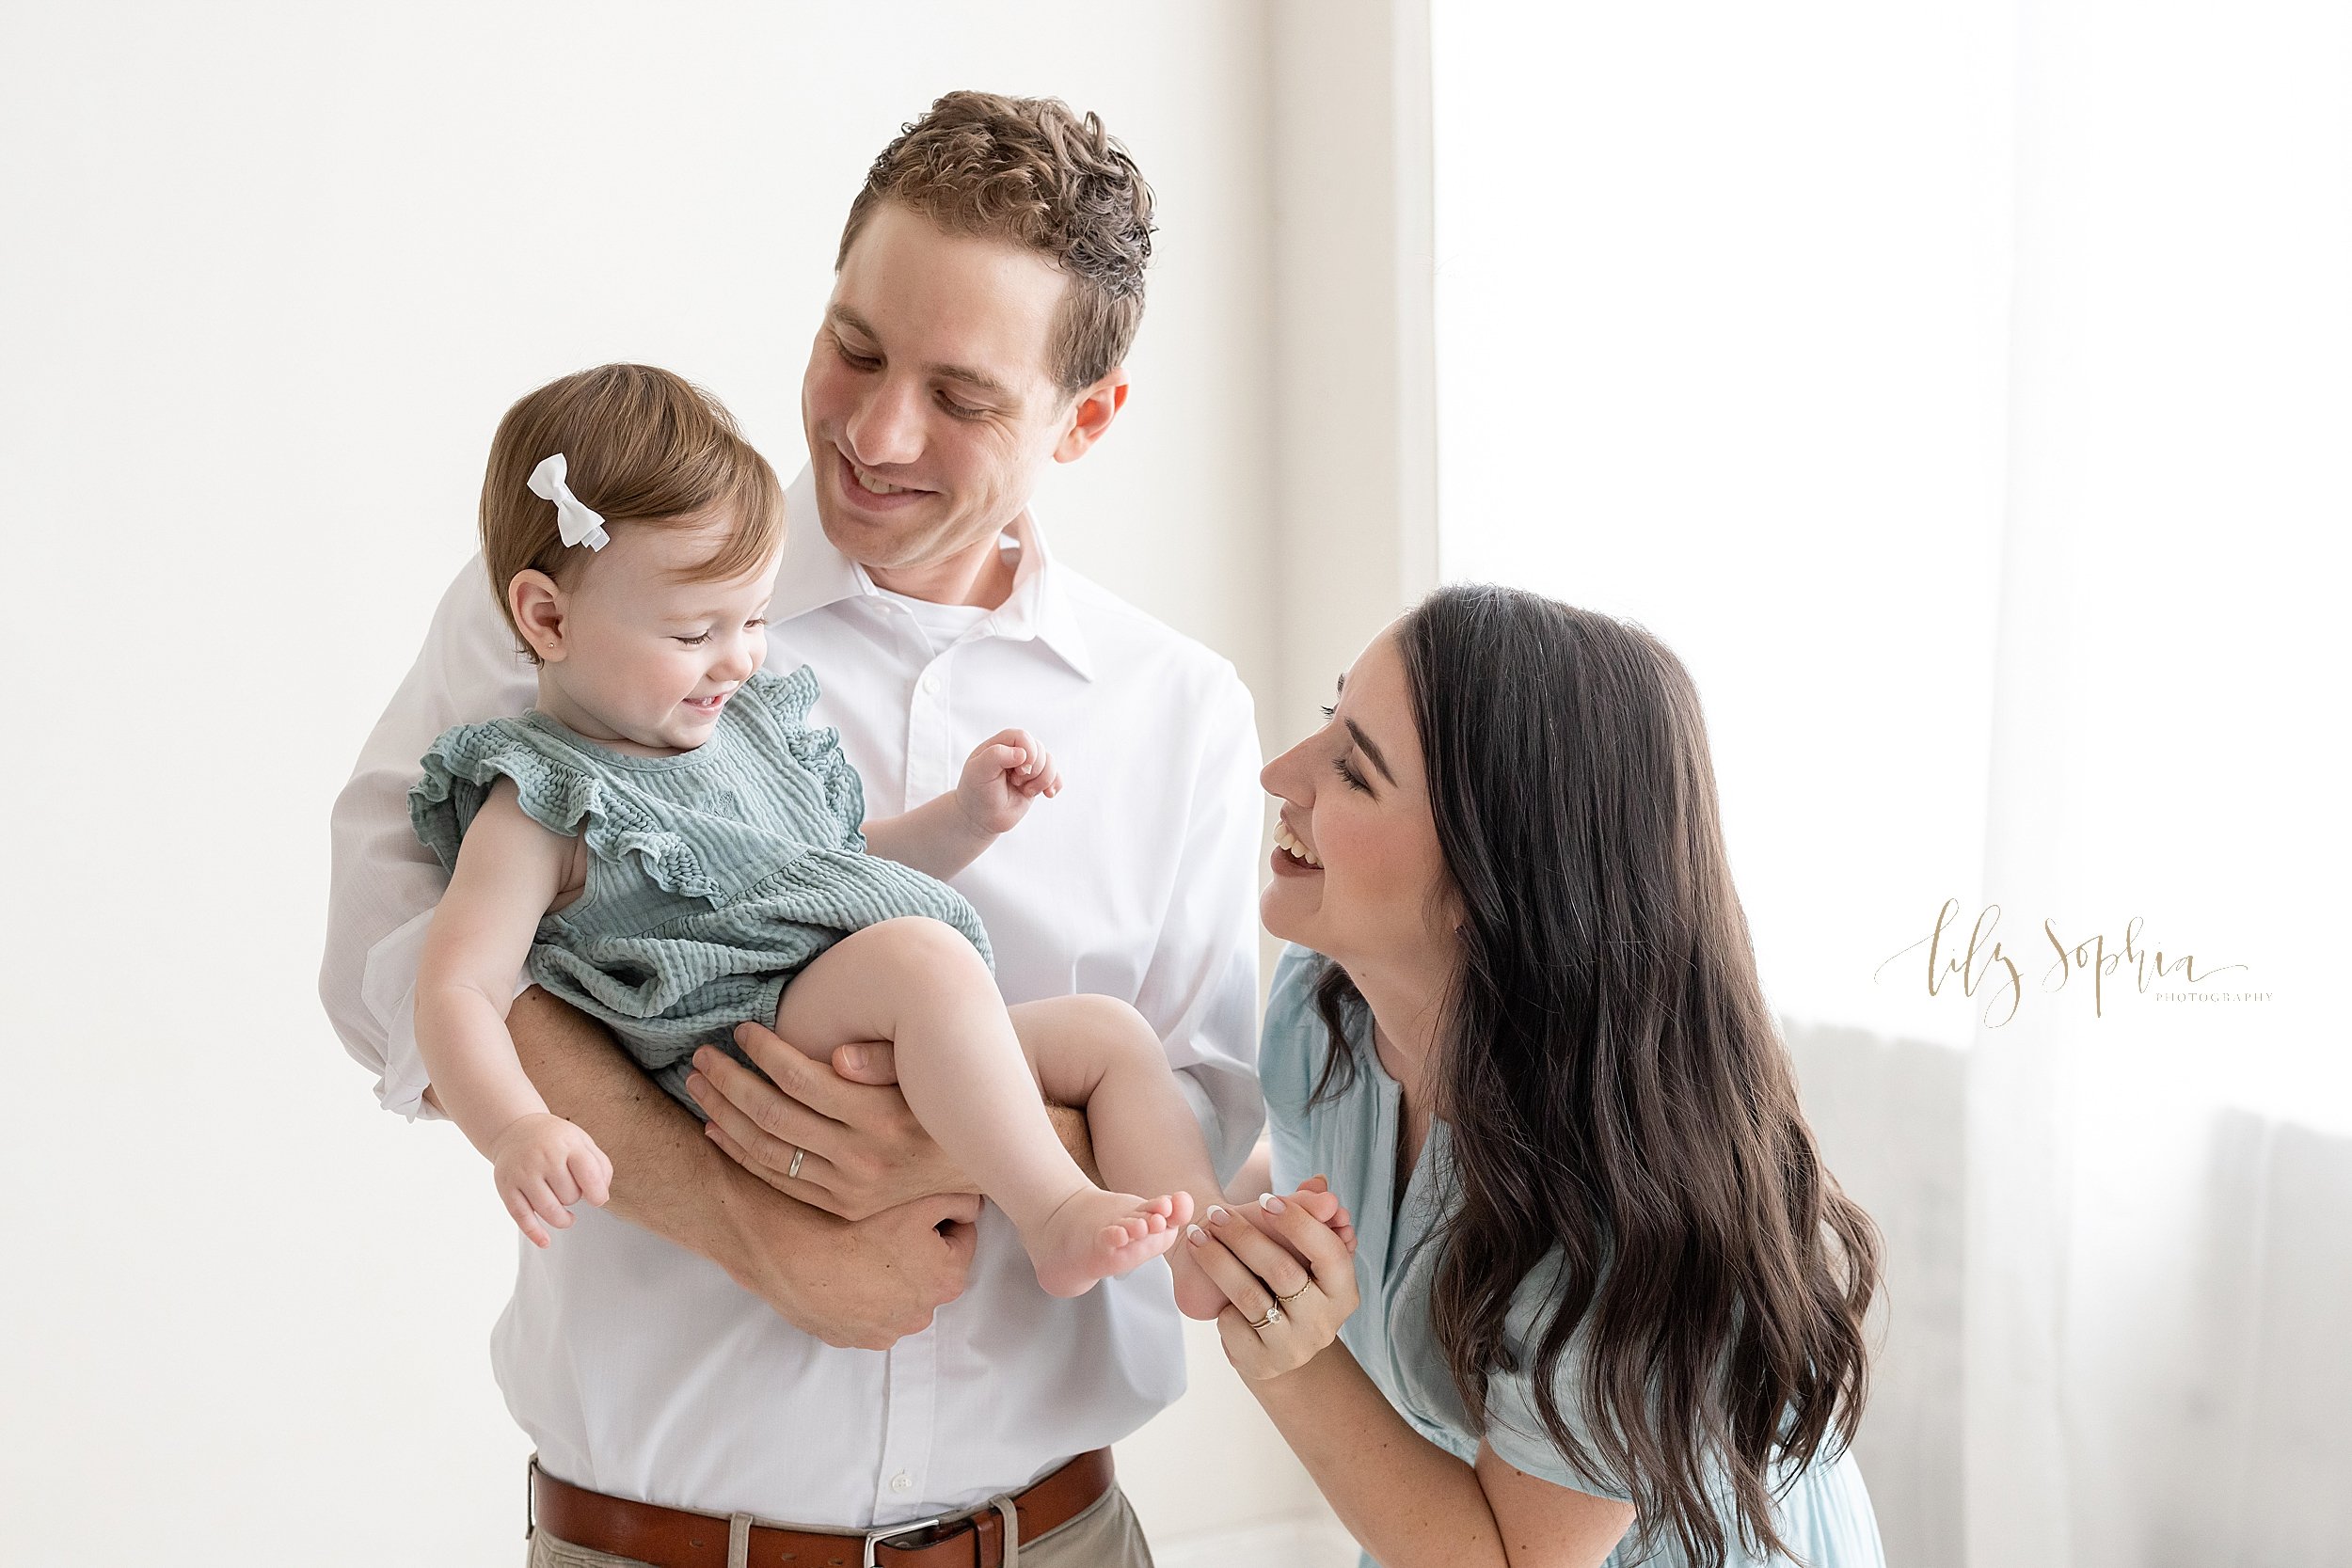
{"x": 1323, "y": 1206}
{"x": 1142, "y": 1248}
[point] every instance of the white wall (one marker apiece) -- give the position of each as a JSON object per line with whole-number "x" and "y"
{"x": 273, "y": 272}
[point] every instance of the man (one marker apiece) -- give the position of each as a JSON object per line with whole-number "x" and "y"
{"x": 835, "y": 1333}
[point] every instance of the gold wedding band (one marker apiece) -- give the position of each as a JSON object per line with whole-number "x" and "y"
{"x": 794, "y": 1169}
{"x": 1294, "y": 1294}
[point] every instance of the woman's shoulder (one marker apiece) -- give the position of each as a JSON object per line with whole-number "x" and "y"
{"x": 1295, "y": 1042}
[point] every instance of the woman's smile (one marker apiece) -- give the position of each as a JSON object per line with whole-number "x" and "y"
{"x": 1292, "y": 858}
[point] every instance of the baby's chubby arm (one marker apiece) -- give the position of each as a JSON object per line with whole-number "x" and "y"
{"x": 509, "y": 870}
{"x": 941, "y": 837}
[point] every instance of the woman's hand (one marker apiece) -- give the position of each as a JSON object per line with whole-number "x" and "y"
{"x": 1288, "y": 1275}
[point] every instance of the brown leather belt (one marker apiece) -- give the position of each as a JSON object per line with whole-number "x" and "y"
{"x": 673, "y": 1538}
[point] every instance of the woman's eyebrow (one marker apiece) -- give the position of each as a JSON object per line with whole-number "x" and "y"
{"x": 1362, "y": 740}
{"x": 1371, "y": 750}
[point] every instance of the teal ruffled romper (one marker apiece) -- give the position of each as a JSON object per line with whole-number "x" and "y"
{"x": 714, "y": 875}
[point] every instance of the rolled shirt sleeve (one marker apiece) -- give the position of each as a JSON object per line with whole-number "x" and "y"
{"x": 385, "y": 884}
{"x": 1200, "y": 989}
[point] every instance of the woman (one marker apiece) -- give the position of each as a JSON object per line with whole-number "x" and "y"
{"x": 1603, "y": 1299}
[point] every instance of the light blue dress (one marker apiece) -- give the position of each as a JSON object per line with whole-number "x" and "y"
{"x": 1352, "y": 1139}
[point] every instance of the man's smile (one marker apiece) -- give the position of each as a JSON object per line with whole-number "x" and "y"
{"x": 867, "y": 489}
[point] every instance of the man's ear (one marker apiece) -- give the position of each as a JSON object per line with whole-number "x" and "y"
{"x": 537, "y": 605}
{"x": 1091, "y": 414}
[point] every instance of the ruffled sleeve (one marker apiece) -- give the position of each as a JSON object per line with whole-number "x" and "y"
{"x": 556, "y": 791}
{"x": 787, "y": 699}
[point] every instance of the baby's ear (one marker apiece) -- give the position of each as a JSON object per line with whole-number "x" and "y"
{"x": 536, "y": 604}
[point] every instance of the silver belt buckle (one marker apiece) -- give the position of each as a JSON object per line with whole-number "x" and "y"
{"x": 876, "y": 1537}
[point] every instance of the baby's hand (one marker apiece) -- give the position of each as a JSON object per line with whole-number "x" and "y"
{"x": 1000, "y": 779}
{"x": 542, "y": 1164}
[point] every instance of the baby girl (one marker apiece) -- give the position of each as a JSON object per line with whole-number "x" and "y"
{"x": 669, "y": 846}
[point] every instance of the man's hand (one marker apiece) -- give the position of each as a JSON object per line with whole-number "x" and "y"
{"x": 860, "y": 1285}
{"x": 877, "y": 1062}
{"x": 861, "y": 1149}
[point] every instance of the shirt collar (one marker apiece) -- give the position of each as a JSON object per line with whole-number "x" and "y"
{"x": 813, "y": 575}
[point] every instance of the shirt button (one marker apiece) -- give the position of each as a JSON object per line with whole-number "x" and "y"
{"x": 901, "y": 1481}
{"x": 930, "y": 682}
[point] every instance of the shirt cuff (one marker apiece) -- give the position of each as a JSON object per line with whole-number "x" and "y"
{"x": 1231, "y": 1133}
{"x": 388, "y": 989}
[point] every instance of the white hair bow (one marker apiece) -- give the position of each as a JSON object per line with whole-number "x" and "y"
{"x": 578, "y": 525}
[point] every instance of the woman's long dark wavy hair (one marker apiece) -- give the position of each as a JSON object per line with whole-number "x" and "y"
{"x": 1612, "y": 1081}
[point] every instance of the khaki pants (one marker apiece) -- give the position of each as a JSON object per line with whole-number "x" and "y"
{"x": 1105, "y": 1536}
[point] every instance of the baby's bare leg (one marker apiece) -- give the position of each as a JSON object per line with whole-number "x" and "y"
{"x": 1100, "y": 1052}
{"x": 919, "y": 984}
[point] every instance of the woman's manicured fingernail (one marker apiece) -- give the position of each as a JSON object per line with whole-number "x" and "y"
{"x": 1217, "y": 1213}
{"x": 1271, "y": 1204}
{"x": 1194, "y": 1234}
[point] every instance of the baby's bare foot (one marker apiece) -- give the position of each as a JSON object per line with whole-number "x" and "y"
{"x": 1095, "y": 1234}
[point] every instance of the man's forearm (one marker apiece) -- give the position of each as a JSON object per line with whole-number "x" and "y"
{"x": 667, "y": 1176}
{"x": 864, "y": 1285}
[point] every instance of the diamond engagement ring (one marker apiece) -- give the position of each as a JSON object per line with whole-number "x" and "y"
{"x": 794, "y": 1169}
{"x": 1273, "y": 1315}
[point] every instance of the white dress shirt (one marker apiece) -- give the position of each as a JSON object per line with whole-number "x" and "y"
{"x": 640, "y": 1369}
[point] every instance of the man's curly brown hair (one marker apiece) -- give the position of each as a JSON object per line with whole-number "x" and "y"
{"x": 1032, "y": 171}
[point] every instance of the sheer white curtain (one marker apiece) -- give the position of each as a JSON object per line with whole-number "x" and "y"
{"x": 2159, "y": 1240}
{"x": 1965, "y": 392}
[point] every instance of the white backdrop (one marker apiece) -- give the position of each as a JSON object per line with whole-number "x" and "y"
{"x": 273, "y": 271}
